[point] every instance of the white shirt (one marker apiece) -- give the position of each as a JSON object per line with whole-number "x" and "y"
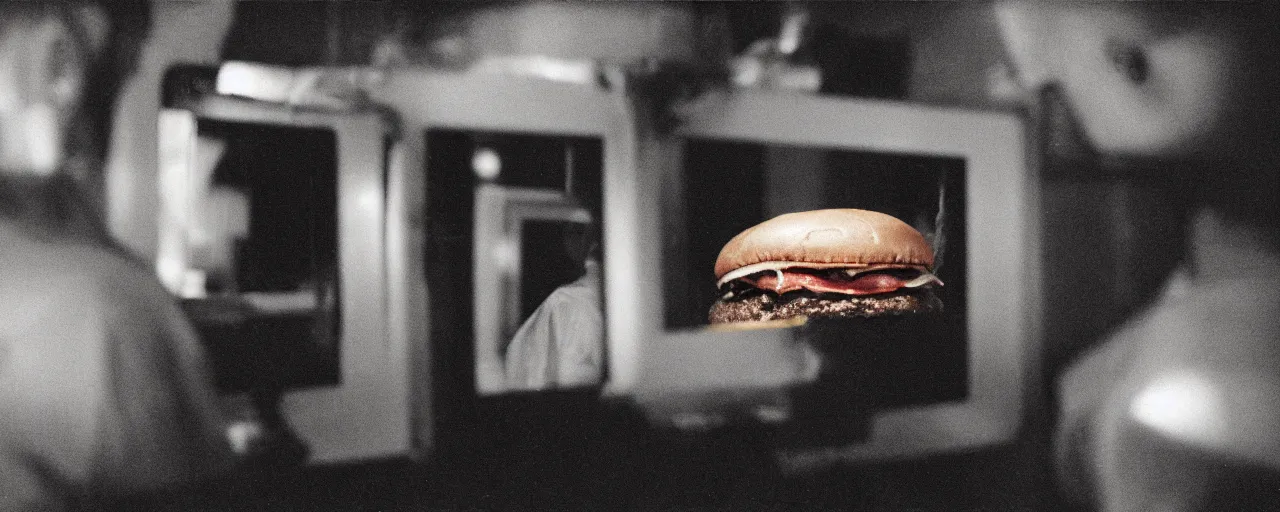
{"x": 562, "y": 342}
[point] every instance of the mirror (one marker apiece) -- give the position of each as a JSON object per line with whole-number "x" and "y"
{"x": 282, "y": 236}
{"x": 863, "y": 386}
{"x": 519, "y": 217}
{"x": 729, "y": 186}
{"x": 257, "y": 251}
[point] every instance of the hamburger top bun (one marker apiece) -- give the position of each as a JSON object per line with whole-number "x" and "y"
{"x": 826, "y": 239}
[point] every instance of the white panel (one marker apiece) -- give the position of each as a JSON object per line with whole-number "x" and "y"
{"x": 1003, "y": 305}
{"x": 492, "y": 102}
{"x": 500, "y": 215}
{"x": 368, "y": 414}
{"x": 424, "y": 100}
{"x": 407, "y": 325}
{"x": 177, "y": 144}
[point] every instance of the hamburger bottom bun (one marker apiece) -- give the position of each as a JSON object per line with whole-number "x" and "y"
{"x": 766, "y": 306}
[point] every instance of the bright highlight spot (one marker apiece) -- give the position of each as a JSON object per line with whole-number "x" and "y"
{"x": 260, "y": 82}
{"x": 243, "y": 434}
{"x": 1183, "y": 407}
{"x": 370, "y": 199}
{"x": 170, "y": 270}
{"x": 506, "y": 255}
{"x": 486, "y": 163}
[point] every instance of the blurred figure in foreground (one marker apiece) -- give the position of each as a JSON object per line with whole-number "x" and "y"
{"x": 1180, "y": 408}
{"x": 104, "y": 390}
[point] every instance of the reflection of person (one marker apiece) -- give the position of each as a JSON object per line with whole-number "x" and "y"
{"x": 562, "y": 343}
{"x": 103, "y": 386}
{"x": 1178, "y": 410}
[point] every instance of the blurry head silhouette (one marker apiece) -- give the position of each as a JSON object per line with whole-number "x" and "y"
{"x": 61, "y": 65}
{"x": 1180, "y": 92}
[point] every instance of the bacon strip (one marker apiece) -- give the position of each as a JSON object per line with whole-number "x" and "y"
{"x": 788, "y": 281}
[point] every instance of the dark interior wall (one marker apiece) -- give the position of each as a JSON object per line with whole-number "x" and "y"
{"x": 307, "y": 33}
{"x": 1109, "y": 242}
{"x": 953, "y": 46}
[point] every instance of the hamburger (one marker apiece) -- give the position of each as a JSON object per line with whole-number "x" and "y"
{"x": 839, "y": 263}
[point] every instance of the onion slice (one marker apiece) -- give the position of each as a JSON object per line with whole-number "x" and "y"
{"x": 923, "y": 279}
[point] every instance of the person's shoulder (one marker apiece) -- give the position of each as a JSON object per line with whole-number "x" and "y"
{"x": 72, "y": 273}
{"x": 1230, "y": 412}
{"x": 31, "y": 268}
{"x": 1205, "y": 370}
{"x": 585, "y": 289}
{"x": 1223, "y": 323}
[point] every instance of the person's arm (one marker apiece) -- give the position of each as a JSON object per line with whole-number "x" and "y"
{"x": 1083, "y": 388}
{"x": 1190, "y": 439}
{"x": 49, "y": 371}
{"x": 1231, "y": 414}
{"x": 528, "y": 361}
{"x": 578, "y": 327}
{"x": 161, "y": 422}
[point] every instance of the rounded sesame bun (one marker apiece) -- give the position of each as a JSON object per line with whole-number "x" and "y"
{"x": 825, "y": 239}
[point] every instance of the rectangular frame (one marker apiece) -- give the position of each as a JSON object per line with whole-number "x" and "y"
{"x": 491, "y": 102}
{"x": 1003, "y": 244}
{"x": 416, "y": 101}
{"x": 368, "y": 415}
{"x": 501, "y": 212}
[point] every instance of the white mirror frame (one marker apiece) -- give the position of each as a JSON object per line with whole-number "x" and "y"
{"x": 1003, "y": 297}
{"x": 499, "y": 229}
{"x": 368, "y": 414}
{"x": 493, "y": 102}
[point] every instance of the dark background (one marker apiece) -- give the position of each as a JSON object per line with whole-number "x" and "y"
{"x": 545, "y": 262}
{"x": 919, "y": 365}
{"x": 290, "y": 177}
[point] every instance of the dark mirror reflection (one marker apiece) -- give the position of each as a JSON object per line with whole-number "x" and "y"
{"x": 890, "y": 361}
{"x": 558, "y": 342}
{"x": 264, "y": 240}
{"x": 520, "y": 215}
